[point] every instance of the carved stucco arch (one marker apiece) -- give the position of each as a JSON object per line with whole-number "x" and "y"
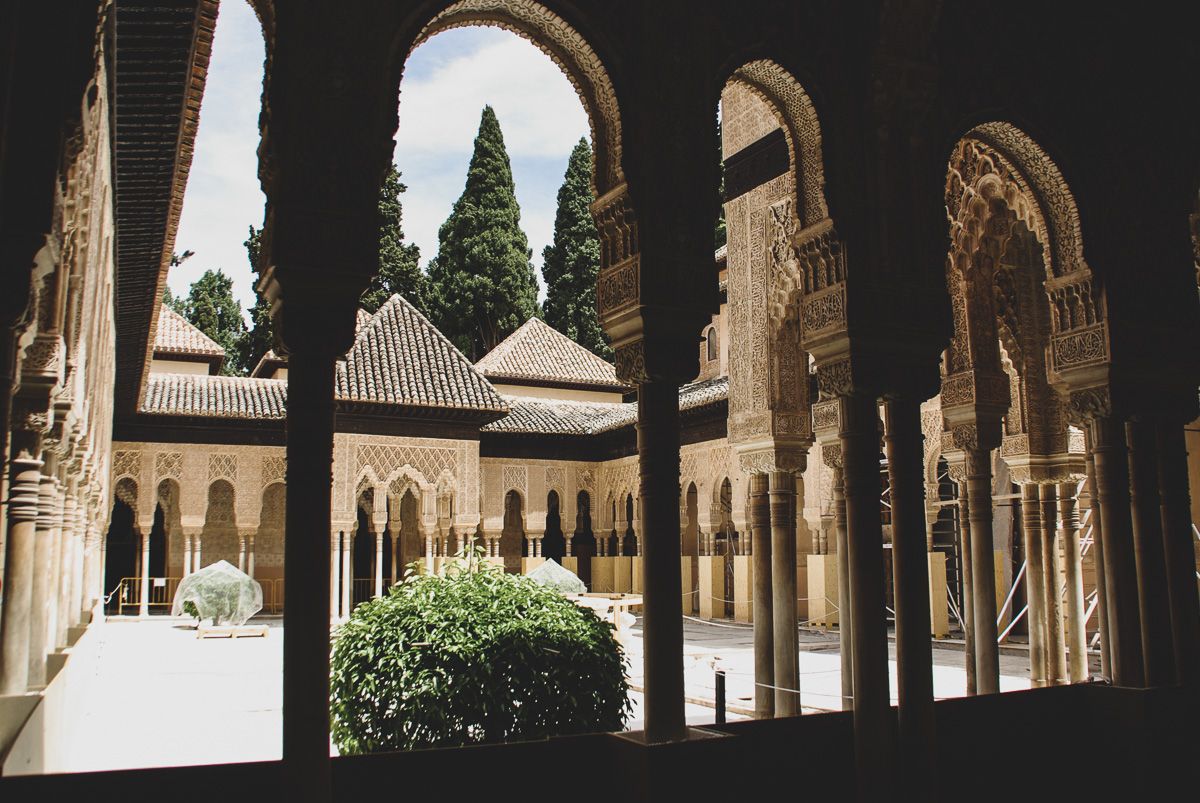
{"x": 797, "y": 116}
{"x": 1002, "y": 166}
{"x": 573, "y": 54}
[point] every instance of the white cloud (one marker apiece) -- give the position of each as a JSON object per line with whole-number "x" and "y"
{"x": 449, "y": 80}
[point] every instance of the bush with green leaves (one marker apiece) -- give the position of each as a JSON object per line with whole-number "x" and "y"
{"x": 476, "y": 656}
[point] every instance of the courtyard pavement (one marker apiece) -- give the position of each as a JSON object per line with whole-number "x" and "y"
{"x": 171, "y": 699}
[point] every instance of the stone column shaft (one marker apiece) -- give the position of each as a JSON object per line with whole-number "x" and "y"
{"x": 197, "y": 542}
{"x": 1179, "y": 553}
{"x": 379, "y": 562}
{"x": 1069, "y": 513}
{"x": 306, "y": 566}
{"x": 43, "y": 554}
{"x": 347, "y": 569}
{"x": 1098, "y": 561}
{"x": 782, "y": 486}
{"x": 1153, "y": 602}
{"x": 845, "y": 614}
{"x": 968, "y": 612}
{"x": 144, "y": 598}
{"x": 983, "y": 571}
{"x": 250, "y": 554}
{"x": 335, "y": 545}
{"x": 1120, "y": 578}
{"x": 764, "y": 649}
{"x": 874, "y": 748}
{"x": 23, "y": 497}
{"x": 187, "y": 553}
{"x": 241, "y": 552}
{"x": 64, "y": 572}
{"x": 1035, "y": 586}
{"x": 662, "y": 617}
{"x": 910, "y": 564}
{"x": 1056, "y": 647}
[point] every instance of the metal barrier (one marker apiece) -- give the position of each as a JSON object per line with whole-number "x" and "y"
{"x": 161, "y": 595}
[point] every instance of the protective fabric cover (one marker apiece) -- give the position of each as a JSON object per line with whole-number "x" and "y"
{"x": 557, "y": 577}
{"x": 221, "y": 592}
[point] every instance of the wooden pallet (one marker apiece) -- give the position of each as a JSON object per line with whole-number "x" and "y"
{"x": 254, "y": 631}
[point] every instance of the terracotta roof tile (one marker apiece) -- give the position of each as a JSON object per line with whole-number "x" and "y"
{"x": 177, "y": 336}
{"x": 400, "y": 358}
{"x": 568, "y": 417}
{"x": 537, "y": 352}
{"x": 215, "y": 396}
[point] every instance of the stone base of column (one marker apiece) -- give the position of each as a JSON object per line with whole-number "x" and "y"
{"x": 529, "y": 564}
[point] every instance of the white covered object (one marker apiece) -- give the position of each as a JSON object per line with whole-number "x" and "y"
{"x": 221, "y": 592}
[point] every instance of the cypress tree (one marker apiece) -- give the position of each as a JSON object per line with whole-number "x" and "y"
{"x": 570, "y": 264}
{"x": 211, "y": 308}
{"x": 261, "y": 337}
{"x": 398, "y": 268}
{"x": 481, "y": 284}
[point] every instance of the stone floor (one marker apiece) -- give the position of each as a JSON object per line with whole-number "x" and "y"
{"x": 173, "y": 699}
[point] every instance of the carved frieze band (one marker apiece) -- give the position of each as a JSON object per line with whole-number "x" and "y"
{"x": 771, "y": 459}
{"x": 827, "y": 416}
{"x": 1089, "y": 403}
{"x": 968, "y": 387}
{"x": 618, "y": 287}
{"x": 1080, "y": 348}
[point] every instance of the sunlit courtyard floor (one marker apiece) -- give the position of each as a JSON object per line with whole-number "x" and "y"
{"x": 162, "y": 697}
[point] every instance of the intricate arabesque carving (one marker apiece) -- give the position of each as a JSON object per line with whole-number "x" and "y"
{"x": 827, "y": 415}
{"x": 630, "y": 363}
{"x": 835, "y": 379}
{"x": 965, "y": 436}
{"x": 1089, "y": 403}
{"x": 274, "y": 469}
{"x": 516, "y": 478}
{"x": 126, "y": 463}
{"x": 1076, "y": 349}
{"x": 556, "y": 479}
{"x": 766, "y": 461}
{"x": 168, "y": 464}
{"x": 573, "y": 55}
{"x": 386, "y": 460}
{"x": 619, "y": 287}
{"x": 223, "y": 466}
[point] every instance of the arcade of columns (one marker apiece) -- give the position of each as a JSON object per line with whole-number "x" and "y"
{"x": 873, "y": 330}
{"x": 850, "y": 239}
{"x": 56, "y": 392}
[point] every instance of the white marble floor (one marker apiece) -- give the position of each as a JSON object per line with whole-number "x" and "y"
{"x": 171, "y": 699}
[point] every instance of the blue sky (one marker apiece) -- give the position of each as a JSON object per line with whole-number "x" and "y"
{"x": 447, "y": 81}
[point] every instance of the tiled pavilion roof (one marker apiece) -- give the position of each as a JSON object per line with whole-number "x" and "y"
{"x": 569, "y": 417}
{"x": 539, "y": 354}
{"x": 216, "y": 396}
{"x": 400, "y": 358}
{"x": 176, "y": 335}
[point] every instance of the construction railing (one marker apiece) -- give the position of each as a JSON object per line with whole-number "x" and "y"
{"x": 161, "y": 595}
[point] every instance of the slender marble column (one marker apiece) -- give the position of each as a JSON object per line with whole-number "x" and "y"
{"x": 782, "y": 486}
{"x": 15, "y": 616}
{"x": 983, "y": 571}
{"x": 64, "y": 572}
{"x": 845, "y": 613}
{"x": 1179, "y": 553}
{"x": 1120, "y": 577}
{"x": 56, "y": 565}
{"x": 874, "y": 747}
{"x": 1153, "y": 602}
{"x": 144, "y": 598}
{"x": 197, "y": 542}
{"x": 347, "y": 567}
{"x": 75, "y": 573}
{"x": 1056, "y": 647}
{"x": 1098, "y": 562}
{"x": 1035, "y": 585}
{"x": 90, "y": 549}
{"x": 39, "y": 620}
{"x": 335, "y": 545}
{"x": 662, "y": 617}
{"x": 241, "y": 552}
{"x": 250, "y": 553}
{"x": 379, "y": 561}
{"x": 1069, "y": 513}
{"x": 764, "y": 636}
{"x": 910, "y": 569}
{"x": 187, "y": 553}
{"x": 968, "y": 592}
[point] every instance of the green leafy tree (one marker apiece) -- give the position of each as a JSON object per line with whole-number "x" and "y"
{"x": 211, "y": 308}
{"x": 482, "y": 285}
{"x": 570, "y": 264}
{"x": 261, "y": 337}
{"x": 399, "y": 271}
{"x": 174, "y": 302}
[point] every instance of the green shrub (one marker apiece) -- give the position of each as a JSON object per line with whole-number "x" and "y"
{"x": 477, "y": 656}
{"x": 190, "y": 609}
